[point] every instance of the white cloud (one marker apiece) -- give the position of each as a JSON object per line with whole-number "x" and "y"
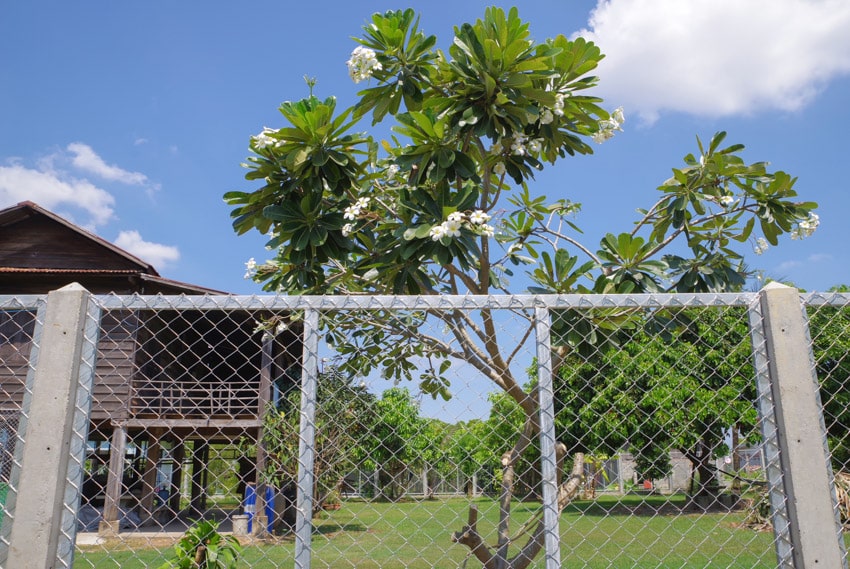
{"x": 51, "y": 184}
{"x": 789, "y": 265}
{"x": 86, "y": 159}
{"x": 53, "y": 191}
{"x": 154, "y": 253}
{"x": 819, "y": 258}
{"x": 718, "y": 57}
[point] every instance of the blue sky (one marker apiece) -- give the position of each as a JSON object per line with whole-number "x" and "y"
{"x": 132, "y": 119}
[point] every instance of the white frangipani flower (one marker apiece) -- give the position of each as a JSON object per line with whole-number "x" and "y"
{"x": 455, "y": 216}
{"x": 347, "y": 229}
{"x": 761, "y": 246}
{"x": 618, "y": 116}
{"x": 478, "y": 217}
{"x": 486, "y": 230}
{"x": 352, "y": 212}
{"x": 546, "y": 117}
{"x": 535, "y": 145}
{"x": 362, "y": 64}
{"x": 518, "y": 146}
{"x": 726, "y": 201}
{"x": 452, "y": 227}
{"x": 608, "y": 126}
{"x": 250, "y": 268}
{"x": 806, "y": 227}
{"x": 438, "y": 232}
{"x": 263, "y": 139}
{"x": 558, "y": 109}
{"x": 499, "y": 168}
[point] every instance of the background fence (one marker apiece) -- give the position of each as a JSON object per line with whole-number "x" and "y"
{"x": 709, "y": 430}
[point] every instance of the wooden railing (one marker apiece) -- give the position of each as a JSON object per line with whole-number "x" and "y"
{"x": 169, "y": 398}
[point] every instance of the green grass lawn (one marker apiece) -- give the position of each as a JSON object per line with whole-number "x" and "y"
{"x": 633, "y": 532}
{"x": 4, "y": 489}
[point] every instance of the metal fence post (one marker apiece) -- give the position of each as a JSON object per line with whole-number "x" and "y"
{"x": 548, "y": 459}
{"x": 49, "y": 439}
{"x": 307, "y": 441}
{"x": 807, "y": 475}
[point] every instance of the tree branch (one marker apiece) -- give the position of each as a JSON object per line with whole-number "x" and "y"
{"x": 470, "y": 537}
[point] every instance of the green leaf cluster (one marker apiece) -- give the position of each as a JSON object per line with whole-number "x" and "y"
{"x": 203, "y": 547}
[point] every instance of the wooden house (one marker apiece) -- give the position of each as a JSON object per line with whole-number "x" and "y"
{"x": 165, "y": 380}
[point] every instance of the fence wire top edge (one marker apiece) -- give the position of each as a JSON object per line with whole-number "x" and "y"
{"x": 21, "y": 301}
{"x": 825, "y": 299}
{"x": 281, "y": 302}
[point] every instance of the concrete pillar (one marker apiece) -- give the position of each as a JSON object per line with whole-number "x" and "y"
{"x": 40, "y": 497}
{"x": 806, "y": 471}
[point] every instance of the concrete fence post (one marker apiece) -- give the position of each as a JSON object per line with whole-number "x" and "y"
{"x": 49, "y": 437}
{"x": 806, "y": 473}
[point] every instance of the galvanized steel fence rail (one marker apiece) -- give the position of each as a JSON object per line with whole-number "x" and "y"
{"x": 123, "y": 418}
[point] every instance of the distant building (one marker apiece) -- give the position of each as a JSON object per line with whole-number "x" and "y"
{"x": 168, "y": 383}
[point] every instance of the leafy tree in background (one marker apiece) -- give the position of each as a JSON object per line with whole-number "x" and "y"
{"x": 445, "y": 207}
{"x": 470, "y": 451}
{"x": 830, "y": 332}
{"x": 343, "y": 422}
{"x": 394, "y": 442}
{"x": 434, "y": 452}
{"x": 682, "y": 386}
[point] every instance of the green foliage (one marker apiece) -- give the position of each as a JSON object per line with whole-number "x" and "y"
{"x": 202, "y": 547}
{"x": 347, "y": 215}
{"x": 830, "y": 332}
{"x": 681, "y": 382}
{"x": 343, "y": 419}
{"x": 395, "y": 438}
{"x": 469, "y": 447}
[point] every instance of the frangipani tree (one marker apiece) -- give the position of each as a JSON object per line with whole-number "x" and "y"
{"x": 445, "y": 207}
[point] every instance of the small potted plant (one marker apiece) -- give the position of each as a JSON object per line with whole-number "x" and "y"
{"x": 332, "y": 500}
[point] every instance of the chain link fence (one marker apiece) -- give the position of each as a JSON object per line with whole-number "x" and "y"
{"x": 515, "y": 431}
{"x": 18, "y": 348}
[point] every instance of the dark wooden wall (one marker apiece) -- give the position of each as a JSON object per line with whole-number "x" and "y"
{"x": 115, "y": 368}
{"x": 16, "y": 329}
{"x": 40, "y": 243}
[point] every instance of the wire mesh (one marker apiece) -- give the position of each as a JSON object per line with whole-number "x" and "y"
{"x": 18, "y": 354}
{"x": 828, "y": 316}
{"x": 424, "y": 430}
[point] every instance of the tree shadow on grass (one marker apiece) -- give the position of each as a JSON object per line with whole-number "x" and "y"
{"x": 330, "y": 529}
